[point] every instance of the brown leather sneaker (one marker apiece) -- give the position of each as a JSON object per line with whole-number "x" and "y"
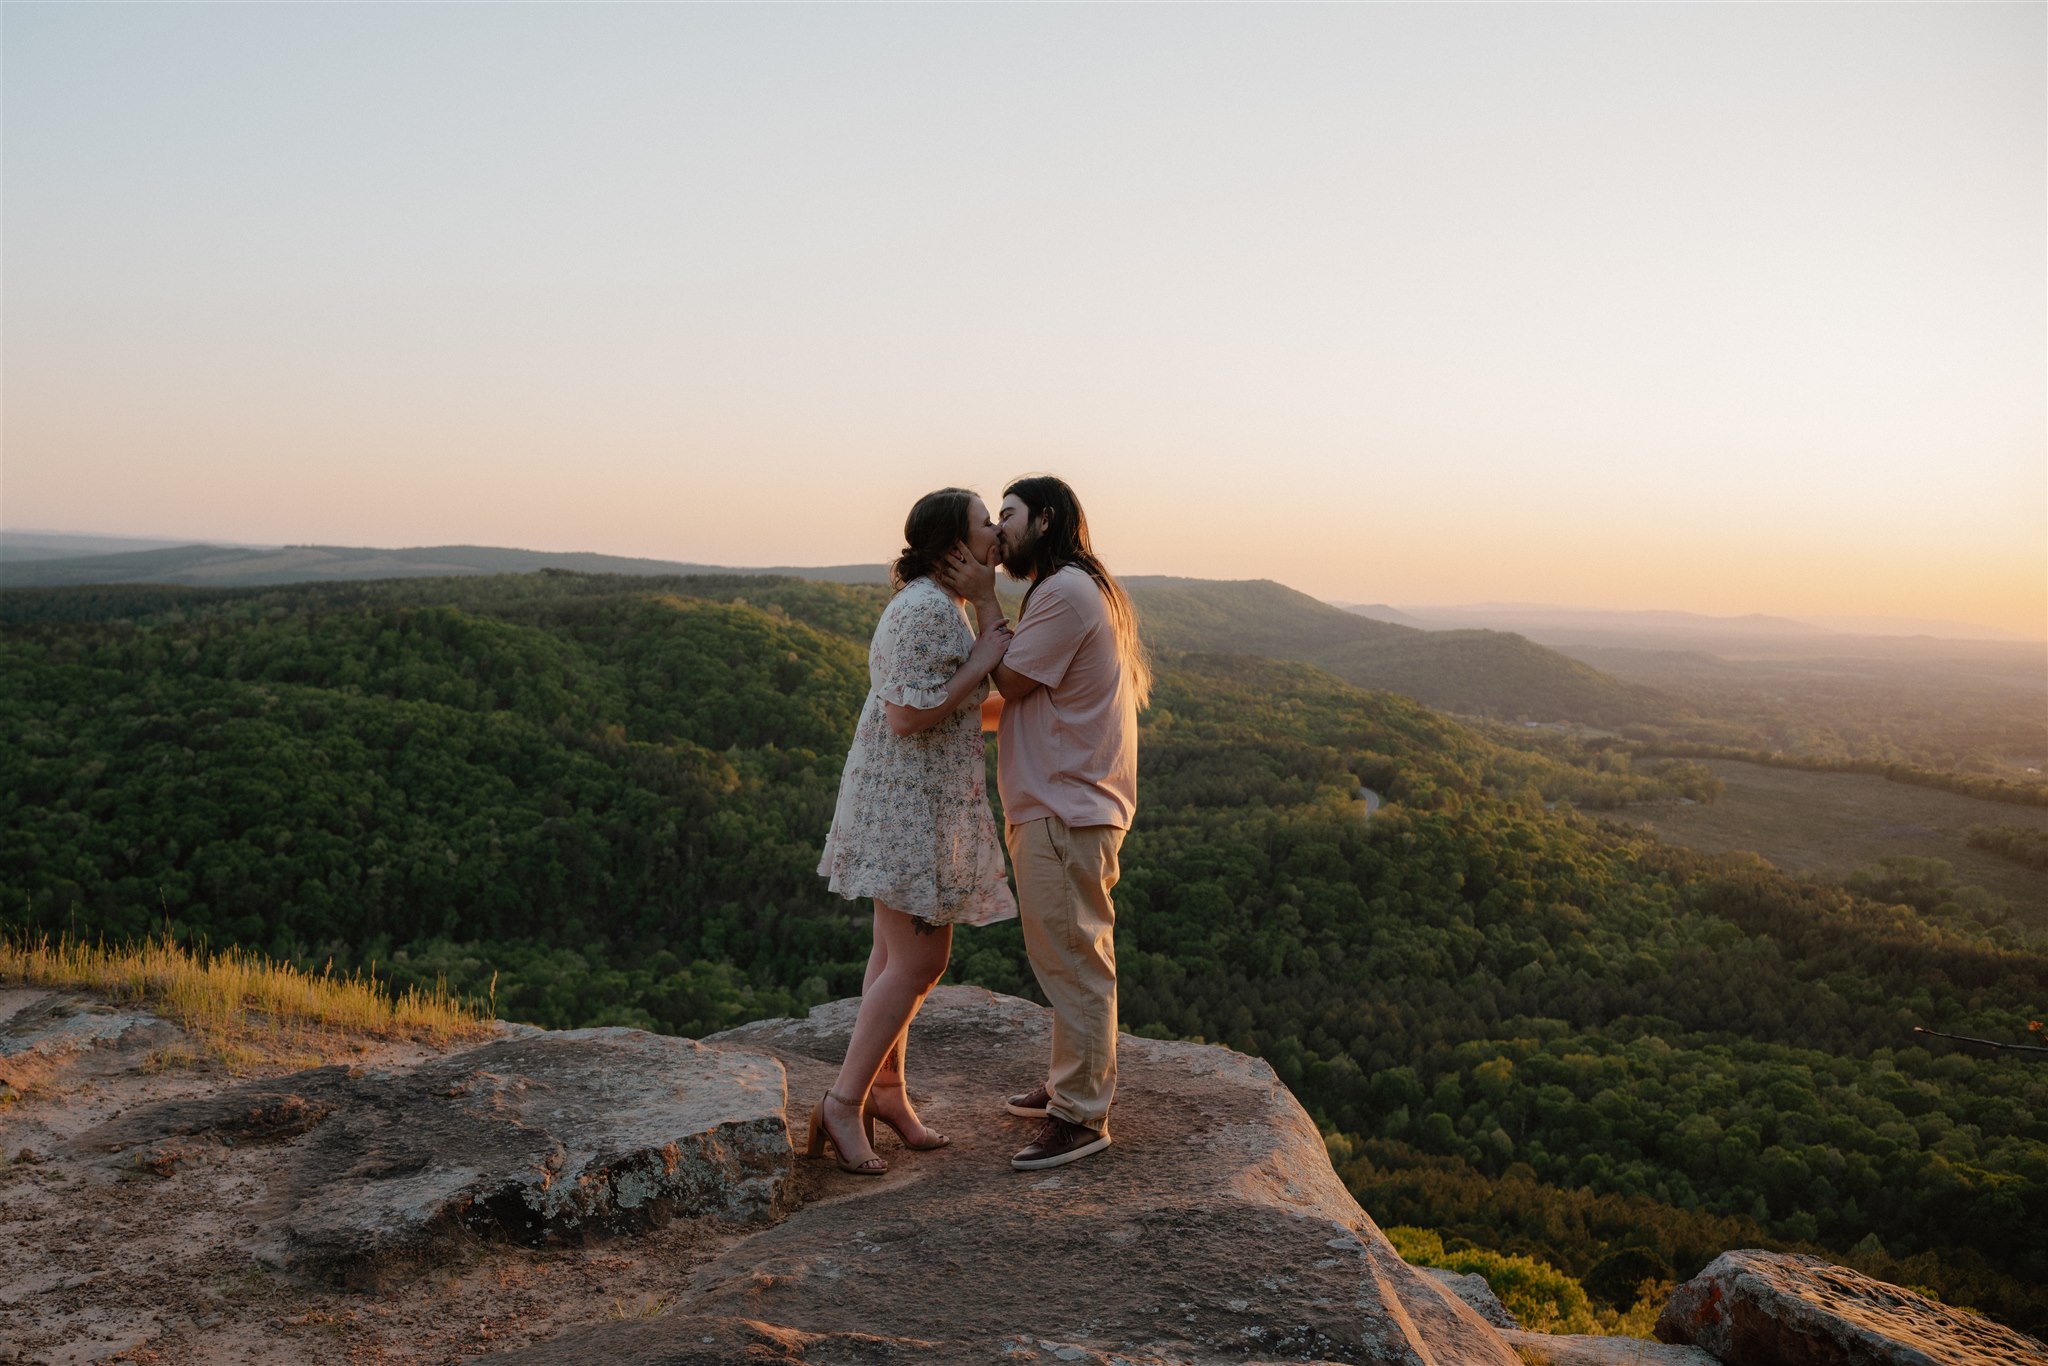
{"x": 1057, "y": 1143}
{"x": 1031, "y": 1104}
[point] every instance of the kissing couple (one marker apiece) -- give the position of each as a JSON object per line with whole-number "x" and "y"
{"x": 913, "y": 830}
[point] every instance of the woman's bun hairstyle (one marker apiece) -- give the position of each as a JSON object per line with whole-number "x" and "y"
{"x": 937, "y": 522}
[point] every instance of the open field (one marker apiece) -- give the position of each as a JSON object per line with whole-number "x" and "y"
{"x": 1830, "y": 824}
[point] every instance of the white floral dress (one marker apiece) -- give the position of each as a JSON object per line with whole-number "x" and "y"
{"x": 913, "y": 828}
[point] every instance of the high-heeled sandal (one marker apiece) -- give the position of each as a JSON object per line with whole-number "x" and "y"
{"x": 933, "y": 1139}
{"x": 821, "y": 1135}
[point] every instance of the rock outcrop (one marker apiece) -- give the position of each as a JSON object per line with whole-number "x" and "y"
{"x": 617, "y": 1198}
{"x": 1212, "y": 1230}
{"x": 1788, "y": 1310}
{"x": 532, "y": 1139}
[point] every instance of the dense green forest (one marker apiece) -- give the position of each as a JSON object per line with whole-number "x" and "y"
{"x": 1523, "y": 1028}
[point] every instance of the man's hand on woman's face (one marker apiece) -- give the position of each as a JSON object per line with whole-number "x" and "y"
{"x": 964, "y": 576}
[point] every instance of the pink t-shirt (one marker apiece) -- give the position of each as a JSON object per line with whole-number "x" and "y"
{"x": 1069, "y": 748}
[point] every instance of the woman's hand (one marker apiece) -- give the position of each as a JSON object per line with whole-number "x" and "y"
{"x": 981, "y": 661}
{"x": 988, "y": 651}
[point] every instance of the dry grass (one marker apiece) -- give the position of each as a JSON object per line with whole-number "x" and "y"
{"x": 244, "y": 1009}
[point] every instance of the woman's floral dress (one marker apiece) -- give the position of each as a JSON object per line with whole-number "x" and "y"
{"x": 912, "y": 828}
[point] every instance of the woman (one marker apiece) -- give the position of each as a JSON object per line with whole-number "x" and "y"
{"x": 912, "y": 829}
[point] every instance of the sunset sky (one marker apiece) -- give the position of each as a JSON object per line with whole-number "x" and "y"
{"x": 1720, "y": 308}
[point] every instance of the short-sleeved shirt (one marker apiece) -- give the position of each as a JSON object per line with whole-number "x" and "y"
{"x": 1069, "y": 748}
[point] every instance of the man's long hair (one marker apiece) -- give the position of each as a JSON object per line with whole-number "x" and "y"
{"x": 1065, "y": 541}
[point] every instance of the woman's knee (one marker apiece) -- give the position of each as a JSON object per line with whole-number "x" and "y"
{"x": 928, "y": 964}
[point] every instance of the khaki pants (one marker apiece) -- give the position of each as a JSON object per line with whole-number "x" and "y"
{"x": 1064, "y": 876}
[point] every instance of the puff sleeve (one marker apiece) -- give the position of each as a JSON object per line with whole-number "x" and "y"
{"x": 918, "y": 648}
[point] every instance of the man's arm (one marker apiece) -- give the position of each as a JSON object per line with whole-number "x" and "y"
{"x": 1047, "y": 637}
{"x": 1014, "y": 687}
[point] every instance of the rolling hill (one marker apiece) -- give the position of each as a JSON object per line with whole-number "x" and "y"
{"x": 1483, "y": 673}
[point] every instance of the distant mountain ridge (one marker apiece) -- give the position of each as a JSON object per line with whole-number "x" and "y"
{"x": 1596, "y": 625}
{"x": 215, "y": 566}
{"x": 16, "y": 546}
{"x": 1379, "y": 611}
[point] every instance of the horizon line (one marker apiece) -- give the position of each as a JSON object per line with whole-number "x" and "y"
{"x": 1995, "y": 633}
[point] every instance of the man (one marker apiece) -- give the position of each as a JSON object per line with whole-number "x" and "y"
{"x": 1072, "y": 683}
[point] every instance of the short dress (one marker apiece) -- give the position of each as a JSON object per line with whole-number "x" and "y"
{"x": 913, "y": 827}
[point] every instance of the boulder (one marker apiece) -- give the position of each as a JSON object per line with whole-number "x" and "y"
{"x": 540, "y": 1138}
{"x": 1213, "y": 1229}
{"x": 1471, "y": 1287}
{"x": 1788, "y": 1310}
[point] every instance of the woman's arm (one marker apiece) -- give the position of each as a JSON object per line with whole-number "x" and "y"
{"x": 981, "y": 661}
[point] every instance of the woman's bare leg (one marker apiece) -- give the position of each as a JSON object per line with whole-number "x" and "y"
{"x": 902, "y": 970}
{"x": 892, "y": 1065}
{"x": 890, "y": 1096}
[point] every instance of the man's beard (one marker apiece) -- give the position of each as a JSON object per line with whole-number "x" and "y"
{"x": 1018, "y": 562}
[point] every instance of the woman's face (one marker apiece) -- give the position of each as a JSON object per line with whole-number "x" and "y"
{"x": 981, "y": 532}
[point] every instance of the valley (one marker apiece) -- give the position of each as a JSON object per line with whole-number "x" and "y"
{"x": 596, "y": 799}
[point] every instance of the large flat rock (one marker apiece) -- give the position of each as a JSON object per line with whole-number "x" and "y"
{"x": 1213, "y": 1229}
{"x": 549, "y": 1137}
{"x": 1787, "y": 1310}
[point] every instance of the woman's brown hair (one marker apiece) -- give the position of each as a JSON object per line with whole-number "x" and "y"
{"x": 937, "y": 522}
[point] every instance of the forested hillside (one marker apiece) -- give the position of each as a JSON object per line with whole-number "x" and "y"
{"x": 1521, "y": 1027}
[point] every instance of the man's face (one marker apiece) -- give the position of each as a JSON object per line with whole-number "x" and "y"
{"x": 1017, "y": 533}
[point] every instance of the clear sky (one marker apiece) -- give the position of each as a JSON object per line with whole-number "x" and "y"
{"x": 1721, "y": 308}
